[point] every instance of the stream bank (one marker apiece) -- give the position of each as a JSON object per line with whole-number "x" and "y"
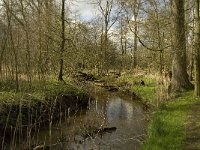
{"x": 109, "y": 115}
{"x": 121, "y": 112}
{"x": 28, "y": 111}
{"x": 173, "y": 119}
{"x": 169, "y": 126}
{"x": 112, "y": 121}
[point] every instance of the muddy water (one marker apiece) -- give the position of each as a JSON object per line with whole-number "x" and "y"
{"x": 80, "y": 131}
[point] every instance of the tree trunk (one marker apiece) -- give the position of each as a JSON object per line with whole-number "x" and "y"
{"x": 135, "y": 43}
{"x": 197, "y": 51}
{"x": 136, "y": 6}
{"x": 12, "y": 46}
{"x": 60, "y": 76}
{"x": 180, "y": 79}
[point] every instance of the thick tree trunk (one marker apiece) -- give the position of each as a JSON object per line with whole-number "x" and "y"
{"x": 180, "y": 79}
{"x": 197, "y": 47}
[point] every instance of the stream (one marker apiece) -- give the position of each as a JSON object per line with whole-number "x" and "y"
{"x": 122, "y": 117}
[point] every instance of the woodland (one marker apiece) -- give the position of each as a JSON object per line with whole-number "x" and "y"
{"x": 43, "y": 38}
{"x": 150, "y": 48}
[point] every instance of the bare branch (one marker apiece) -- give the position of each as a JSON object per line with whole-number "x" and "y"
{"x": 144, "y": 45}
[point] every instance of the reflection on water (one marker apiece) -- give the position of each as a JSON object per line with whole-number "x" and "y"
{"x": 108, "y": 110}
{"x": 118, "y": 108}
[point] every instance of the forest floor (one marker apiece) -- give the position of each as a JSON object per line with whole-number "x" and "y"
{"x": 193, "y": 128}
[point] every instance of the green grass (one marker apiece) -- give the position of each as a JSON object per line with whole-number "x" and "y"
{"x": 129, "y": 78}
{"x": 166, "y": 130}
{"x": 167, "y": 126}
{"x": 38, "y": 100}
{"x": 147, "y": 93}
{"x": 37, "y": 92}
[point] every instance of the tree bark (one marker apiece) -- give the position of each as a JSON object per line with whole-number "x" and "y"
{"x": 60, "y": 76}
{"x": 135, "y": 44}
{"x": 136, "y": 7}
{"x": 197, "y": 46}
{"x": 10, "y": 41}
{"x": 180, "y": 79}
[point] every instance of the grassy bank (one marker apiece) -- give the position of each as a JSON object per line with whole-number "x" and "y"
{"x": 148, "y": 92}
{"x": 39, "y": 92}
{"x": 45, "y": 101}
{"x": 41, "y": 104}
{"x": 167, "y": 127}
{"x": 169, "y": 117}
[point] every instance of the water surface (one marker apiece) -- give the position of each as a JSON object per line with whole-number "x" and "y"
{"x": 107, "y": 110}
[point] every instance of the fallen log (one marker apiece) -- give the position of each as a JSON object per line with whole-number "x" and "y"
{"x": 100, "y": 131}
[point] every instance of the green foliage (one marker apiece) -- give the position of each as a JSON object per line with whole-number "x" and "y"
{"x": 167, "y": 126}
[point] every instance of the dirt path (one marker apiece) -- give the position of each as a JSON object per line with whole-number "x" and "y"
{"x": 193, "y": 128}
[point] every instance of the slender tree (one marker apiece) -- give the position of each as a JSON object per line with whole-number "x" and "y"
{"x": 110, "y": 16}
{"x": 135, "y": 9}
{"x": 62, "y": 47}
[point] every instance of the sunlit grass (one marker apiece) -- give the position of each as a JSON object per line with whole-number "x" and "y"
{"x": 147, "y": 92}
{"x": 136, "y": 79}
{"x": 38, "y": 91}
{"x": 167, "y": 126}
